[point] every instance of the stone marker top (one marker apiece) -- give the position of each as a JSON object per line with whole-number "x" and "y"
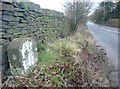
{"x": 22, "y": 54}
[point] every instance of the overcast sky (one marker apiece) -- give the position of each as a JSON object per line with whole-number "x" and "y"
{"x": 55, "y": 4}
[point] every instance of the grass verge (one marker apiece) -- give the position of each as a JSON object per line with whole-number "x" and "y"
{"x": 74, "y": 61}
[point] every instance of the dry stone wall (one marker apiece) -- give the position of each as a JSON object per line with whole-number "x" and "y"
{"x": 19, "y": 19}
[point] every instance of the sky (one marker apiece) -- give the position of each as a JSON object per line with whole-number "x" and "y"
{"x": 51, "y": 4}
{"x": 57, "y": 5}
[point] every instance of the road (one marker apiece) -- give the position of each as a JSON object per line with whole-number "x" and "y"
{"x": 107, "y": 37}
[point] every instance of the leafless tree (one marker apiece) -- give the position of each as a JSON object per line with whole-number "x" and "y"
{"x": 77, "y": 11}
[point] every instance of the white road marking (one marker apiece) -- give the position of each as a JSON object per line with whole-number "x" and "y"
{"x": 90, "y": 23}
{"x": 109, "y": 30}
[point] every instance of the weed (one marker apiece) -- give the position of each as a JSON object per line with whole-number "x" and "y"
{"x": 63, "y": 47}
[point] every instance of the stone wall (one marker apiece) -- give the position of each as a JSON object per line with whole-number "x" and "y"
{"x": 19, "y": 19}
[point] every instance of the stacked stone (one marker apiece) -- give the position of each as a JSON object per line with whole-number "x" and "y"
{"x": 6, "y": 12}
{"x": 13, "y": 24}
{"x": 19, "y": 19}
{"x": 53, "y": 24}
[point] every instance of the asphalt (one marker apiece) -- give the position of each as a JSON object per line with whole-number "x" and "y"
{"x": 107, "y": 37}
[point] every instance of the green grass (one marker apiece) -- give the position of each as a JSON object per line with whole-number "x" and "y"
{"x": 47, "y": 56}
